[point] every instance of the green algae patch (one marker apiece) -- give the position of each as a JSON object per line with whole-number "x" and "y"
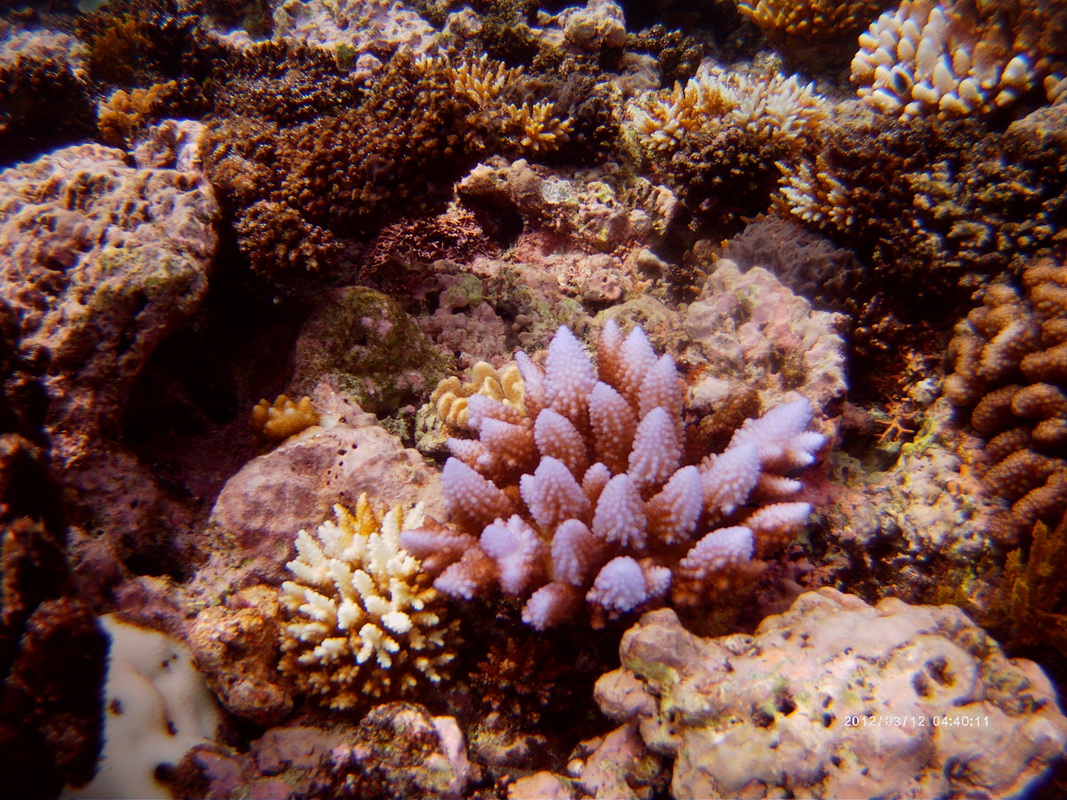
{"x": 374, "y": 350}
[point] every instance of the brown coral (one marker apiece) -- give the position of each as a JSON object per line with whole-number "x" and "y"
{"x": 808, "y": 28}
{"x": 123, "y": 114}
{"x": 450, "y": 397}
{"x": 1006, "y": 355}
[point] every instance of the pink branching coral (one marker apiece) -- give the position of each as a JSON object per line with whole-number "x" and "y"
{"x": 586, "y": 497}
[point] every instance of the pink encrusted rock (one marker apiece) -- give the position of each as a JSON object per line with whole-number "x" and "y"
{"x": 99, "y": 262}
{"x": 260, "y": 509}
{"x": 621, "y": 766}
{"x": 540, "y": 786}
{"x": 753, "y": 330}
{"x": 837, "y": 698}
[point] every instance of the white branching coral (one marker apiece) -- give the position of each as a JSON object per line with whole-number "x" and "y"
{"x": 363, "y": 621}
{"x": 782, "y": 108}
{"x": 953, "y": 59}
{"x": 585, "y": 497}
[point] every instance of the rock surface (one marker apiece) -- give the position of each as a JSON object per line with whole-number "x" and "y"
{"x": 837, "y": 698}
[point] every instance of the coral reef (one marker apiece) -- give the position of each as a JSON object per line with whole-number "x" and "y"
{"x": 925, "y": 201}
{"x": 369, "y": 346}
{"x": 1008, "y": 369}
{"x": 235, "y": 648}
{"x": 250, "y": 530}
{"x": 961, "y": 58}
{"x": 44, "y": 97}
{"x": 589, "y": 496}
{"x": 363, "y": 621}
{"x": 301, "y": 192}
{"x": 52, "y": 653}
{"x": 838, "y": 698}
{"x": 722, "y": 136}
{"x": 283, "y": 418}
{"x": 1027, "y": 609}
{"x": 755, "y": 335}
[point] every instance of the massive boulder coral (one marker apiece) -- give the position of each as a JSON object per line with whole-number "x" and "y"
{"x": 1009, "y": 360}
{"x": 363, "y": 620}
{"x": 955, "y": 58}
{"x": 836, "y": 698}
{"x": 592, "y": 496}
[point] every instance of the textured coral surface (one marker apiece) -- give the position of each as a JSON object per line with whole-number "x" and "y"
{"x": 852, "y": 700}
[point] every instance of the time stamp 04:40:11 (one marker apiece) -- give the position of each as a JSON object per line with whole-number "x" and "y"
{"x": 916, "y": 721}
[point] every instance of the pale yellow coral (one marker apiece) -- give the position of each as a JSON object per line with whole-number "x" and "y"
{"x": 780, "y": 107}
{"x": 450, "y": 397}
{"x": 282, "y": 418}
{"x": 363, "y": 620}
{"x": 538, "y": 130}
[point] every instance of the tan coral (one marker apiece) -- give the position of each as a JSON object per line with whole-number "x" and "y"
{"x": 282, "y": 418}
{"x": 363, "y": 621}
{"x": 811, "y": 19}
{"x": 450, "y": 397}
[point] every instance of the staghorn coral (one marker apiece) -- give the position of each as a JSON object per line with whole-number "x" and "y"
{"x": 282, "y": 418}
{"x": 715, "y": 141}
{"x": 958, "y": 57}
{"x": 363, "y": 621}
{"x": 1009, "y": 370}
{"x": 586, "y": 498}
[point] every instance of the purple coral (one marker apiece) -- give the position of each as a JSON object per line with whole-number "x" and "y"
{"x": 586, "y": 496}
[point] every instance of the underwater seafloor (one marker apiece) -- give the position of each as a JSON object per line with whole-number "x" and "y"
{"x": 533, "y": 400}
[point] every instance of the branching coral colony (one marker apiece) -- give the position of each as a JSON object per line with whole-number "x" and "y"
{"x": 585, "y": 499}
{"x": 363, "y": 620}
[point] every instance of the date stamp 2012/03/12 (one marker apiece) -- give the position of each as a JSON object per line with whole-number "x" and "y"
{"x": 917, "y": 721}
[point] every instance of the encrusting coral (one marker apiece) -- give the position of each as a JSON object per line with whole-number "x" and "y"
{"x": 363, "y": 621}
{"x": 1009, "y": 358}
{"x": 955, "y": 58}
{"x": 588, "y": 497}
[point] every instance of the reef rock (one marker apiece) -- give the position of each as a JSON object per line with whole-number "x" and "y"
{"x": 837, "y": 698}
{"x": 295, "y": 485}
{"x": 99, "y": 262}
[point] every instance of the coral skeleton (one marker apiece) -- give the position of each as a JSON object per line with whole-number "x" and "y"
{"x": 363, "y": 621}
{"x": 585, "y": 499}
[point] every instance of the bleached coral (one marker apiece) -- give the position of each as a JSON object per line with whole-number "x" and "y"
{"x": 363, "y": 621}
{"x": 951, "y": 59}
{"x": 587, "y": 495}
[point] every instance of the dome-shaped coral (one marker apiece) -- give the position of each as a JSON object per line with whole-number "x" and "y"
{"x": 363, "y": 619}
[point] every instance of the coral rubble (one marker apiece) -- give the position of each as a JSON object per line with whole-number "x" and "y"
{"x": 838, "y": 698}
{"x": 588, "y": 497}
{"x": 363, "y": 621}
